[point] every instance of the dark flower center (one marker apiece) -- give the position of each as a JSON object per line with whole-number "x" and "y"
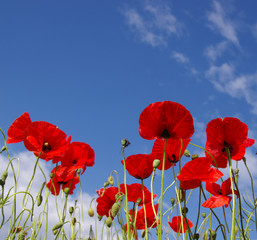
{"x": 165, "y": 134}
{"x": 46, "y": 147}
{"x": 220, "y": 192}
{"x": 62, "y": 182}
{"x": 226, "y": 145}
{"x": 174, "y": 158}
{"x": 75, "y": 161}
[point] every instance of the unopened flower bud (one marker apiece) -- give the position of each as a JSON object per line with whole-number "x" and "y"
{"x": 212, "y": 235}
{"x": 55, "y": 231}
{"x": 125, "y": 143}
{"x": 143, "y": 234}
{"x": 71, "y": 210}
{"x": 106, "y": 184}
{"x": 194, "y": 156}
{"x": 187, "y": 153}
{"x": 22, "y": 235}
{"x": 172, "y": 201}
{"x": 182, "y": 195}
{"x": 156, "y": 163}
{"x": 204, "y": 215}
{"x": 39, "y": 200}
{"x": 57, "y": 226}
{"x": 108, "y": 222}
{"x": 79, "y": 171}
{"x": 111, "y": 180}
{"x": 139, "y": 201}
{"x": 73, "y": 221}
{"x": 66, "y": 190}
{"x": 236, "y": 171}
{"x": 91, "y": 212}
{"x": 51, "y": 175}
{"x": 184, "y": 210}
{"x": 3, "y": 149}
{"x": 100, "y": 217}
{"x": 4, "y": 175}
{"x": 115, "y": 209}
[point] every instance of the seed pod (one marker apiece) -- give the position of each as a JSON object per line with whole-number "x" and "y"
{"x": 115, "y": 209}
{"x": 156, "y": 163}
{"x": 108, "y": 222}
{"x": 57, "y": 226}
{"x": 125, "y": 142}
{"x": 66, "y": 190}
{"x": 91, "y": 212}
{"x": 39, "y": 200}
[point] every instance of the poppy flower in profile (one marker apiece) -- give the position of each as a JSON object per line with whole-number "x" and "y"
{"x": 78, "y": 154}
{"x": 47, "y": 139}
{"x": 166, "y": 120}
{"x": 63, "y": 177}
{"x": 228, "y": 133}
{"x": 134, "y": 192}
{"x": 16, "y": 130}
{"x": 173, "y": 151}
{"x": 139, "y": 166}
{"x": 140, "y": 216}
{"x": 105, "y": 201}
{"x": 178, "y": 227}
{"x": 220, "y": 194}
{"x": 196, "y": 171}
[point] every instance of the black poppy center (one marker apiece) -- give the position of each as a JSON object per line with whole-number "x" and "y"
{"x": 226, "y": 145}
{"x": 46, "y": 147}
{"x": 173, "y": 159}
{"x": 220, "y": 192}
{"x": 62, "y": 182}
{"x": 75, "y": 161}
{"x": 165, "y": 134}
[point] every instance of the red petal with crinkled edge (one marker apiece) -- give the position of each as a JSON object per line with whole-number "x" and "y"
{"x": 177, "y": 226}
{"x": 213, "y": 188}
{"x": 173, "y": 151}
{"x": 249, "y": 142}
{"x": 16, "y": 130}
{"x": 217, "y": 201}
{"x": 139, "y": 166}
{"x": 134, "y": 192}
{"x": 166, "y": 120}
{"x": 190, "y": 184}
{"x": 39, "y": 133}
{"x": 226, "y": 188}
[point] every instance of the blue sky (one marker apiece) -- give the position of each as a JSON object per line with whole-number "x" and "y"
{"x": 91, "y": 67}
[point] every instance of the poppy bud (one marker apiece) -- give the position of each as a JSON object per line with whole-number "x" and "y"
{"x": 22, "y": 235}
{"x": 79, "y": 171}
{"x": 196, "y": 236}
{"x": 172, "y": 201}
{"x": 91, "y": 212}
{"x": 156, "y": 163}
{"x": 212, "y": 235}
{"x": 115, "y": 209}
{"x": 182, "y": 195}
{"x": 106, "y": 184}
{"x": 108, "y": 222}
{"x": 66, "y": 190}
{"x": 73, "y": 221}
{"x": 4, "y": 175}
{"x": 204, "y": 215}
{"x": 55, "y": 231}
{"x": 125, "y": 142}
{"x": 187, "y": 153}
{"x": 39, "y": 200}
{"x": 3, "y": 149}
{"x": 100, "y": 217}
{"x": 139, "y": 201}
{"x": 184, "y": 210}
{"x": 57, "y": 226}
{"x": 194, "y": 156}
{"x": 71, "y": 210}
{"x": 111, "y": 180}
{"x": 143, "y": 234}
{"x": 51, "y": 175}
{"x": 236, "y": 171}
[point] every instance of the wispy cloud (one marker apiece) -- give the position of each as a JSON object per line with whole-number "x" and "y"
{"x": 221, "y": 22}
{"x": 225, "y": 80}
{"x": 152, "y": 24}
{"x": 179, "y": 57}
{"x": 212, "y": 52}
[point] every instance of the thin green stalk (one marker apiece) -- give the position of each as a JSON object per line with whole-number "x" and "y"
{"x": 199, "y": 206}
{"x": 143, "y": 192}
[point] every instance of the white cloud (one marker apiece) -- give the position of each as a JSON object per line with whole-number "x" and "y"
{"x": 153, "y": 24}
{"x": 179, "y": 57}
{"x": 219, "y": 21}
{"x": 213, "y": 52}
{"x": 225, "y": 80}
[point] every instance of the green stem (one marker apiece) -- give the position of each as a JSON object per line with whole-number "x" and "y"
{"x": 143, "y": 192}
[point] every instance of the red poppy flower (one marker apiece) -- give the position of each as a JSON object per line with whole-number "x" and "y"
{"x": 47, "y": 139}
{"x": 228, "y": 133}
{"x": 173, "y": 151}
{"x": 166, "y": 120}
{"x": 105, "y": 201}
{"x": 64, "y": 177}
{"x": 220, "y": 194}
{"x": 139, "y": 166}
{"x": 196, "y": 171}
{"x": 78, "y": 154}
{"x": 134, "y": 192}
{"x": 140, "y": 216}
{"x": 16, "y": 130}
{"x": 177, "y": 225}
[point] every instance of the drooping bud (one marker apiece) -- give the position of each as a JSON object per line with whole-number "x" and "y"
{"x": 236, "y": 171}
{"x": 91, "y": 212}
{"x": 187, "y": 153}
{"x": 73, "y": 221}
{"x": 57, "y": 226}
{"x": 184, "y": 210}
{"x": 100, "y": 217}
{"x": 66, "y": 190}
{"x": 4, "y": 176}
{"x": 51, "y": 175}
{"x": 106, "y": 184}
{"x": 108, "y": 222}
{"x": 115, "y": 209}
{"x": 71, "y": 210}
{"x": 22, "y": 235}
{"x": 204, "y": 215}
{"x": 156, "y": 163}
{"x": 143, "y": 234}
{"x": 172, "y": 201}
{"x": 139, "y": 201}
{"x": 111, "y": 180}
{"x": 212, "y": 235}
{"x": 39, "y": 200}
{"x": 125, "y": 143}
{"x": 194, "y": 156}
{"x": 3, "y": 149}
